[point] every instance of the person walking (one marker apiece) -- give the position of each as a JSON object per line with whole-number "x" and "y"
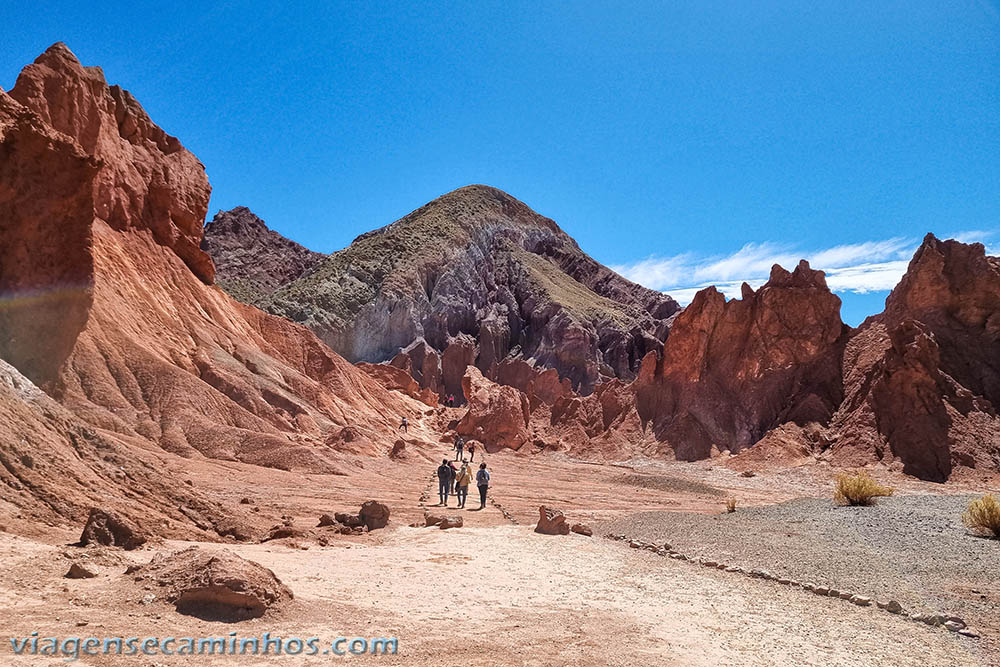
{"x": 445, "y": 476}
{"x": 472, "y": 452}
{"x": 483, "y": 482}
{"x": 404, "y": 425}
{"x": 459, "y": 446}
{"x": 462, "y": 484}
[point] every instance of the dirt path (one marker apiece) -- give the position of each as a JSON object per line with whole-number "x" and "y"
{"x": 495, "y": 595}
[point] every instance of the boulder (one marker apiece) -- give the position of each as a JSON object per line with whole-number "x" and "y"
{"x": 551, "y": 522}
{"x": 214, "y": 585}
{"x": 111, "y": 529}
{"x": 374, "y": 514}
{"x": 326, "y": 520}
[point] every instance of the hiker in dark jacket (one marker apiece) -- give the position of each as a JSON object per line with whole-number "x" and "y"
{"x": 472, "y": 451}
{"x": 459, "y": 446}
{"x": 446, "y": 476}
{"x": 483, "y": 482}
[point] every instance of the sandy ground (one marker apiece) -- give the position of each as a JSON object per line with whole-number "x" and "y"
{"x": 490, "y": 593}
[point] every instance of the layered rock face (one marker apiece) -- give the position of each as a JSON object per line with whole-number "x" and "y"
{"x": 54, "y": 468}
{"x": 104, "y": 296}
{"x": 251, "y": 260}
{"x": 732, "y": 371}
{"x": 477, "y": 277}
{"x": 922, "y": 379}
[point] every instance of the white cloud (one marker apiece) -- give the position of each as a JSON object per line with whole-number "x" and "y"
{"x": 870, "y": 266}
{"x": 859, "y": 267}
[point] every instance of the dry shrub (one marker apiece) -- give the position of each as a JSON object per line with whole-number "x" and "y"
{"x": 731, "y": 505}
{"x": 983, "y": 517}
{"x": 858, "y": 489}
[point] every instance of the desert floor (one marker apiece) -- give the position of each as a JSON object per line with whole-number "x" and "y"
{"x": 495, "y": 593}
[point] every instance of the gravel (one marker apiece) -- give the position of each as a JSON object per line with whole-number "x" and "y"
{"x": 913, "y": 549}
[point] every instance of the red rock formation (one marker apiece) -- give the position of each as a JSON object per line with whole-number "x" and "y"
{"x": 497, "y": 416}
{"x": 922, "y": 380}
{"x": 732, "y": 371}
{"x": 104, "y": 297}
{"x": 147, "y": 180}
{"x": 54, "y": 468}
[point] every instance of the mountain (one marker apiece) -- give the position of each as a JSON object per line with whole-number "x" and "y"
{"x": 251, "y": 260}
{"x": 473, "y": 277}
{"x": 108, "y": 303}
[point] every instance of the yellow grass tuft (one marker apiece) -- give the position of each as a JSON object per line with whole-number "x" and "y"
{"x": 859, "y": 489}
{"x": 731, "y": 505}
{"x": 983, "y": 517}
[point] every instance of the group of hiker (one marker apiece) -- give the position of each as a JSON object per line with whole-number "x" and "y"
{"x": 457, "y": 481}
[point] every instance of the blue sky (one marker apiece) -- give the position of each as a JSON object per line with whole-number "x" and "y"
{"x": 683, "y": 143}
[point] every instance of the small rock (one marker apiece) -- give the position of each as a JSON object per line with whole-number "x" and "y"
{"x": 677, "y": 556}
{"x": 582, "y": 529}
{"x": 734, "y": 568}
{"x": 952, "y": 626}
{"x": 834, "y": 593}
{"x": 348, "y": 519}
{"x": 245, "y": 501}
{"x": 451, "y": 522}
{"x": 710, "y": 563}
{"x": 821, "y": 590}
{"x": 966, "y": 632}
{"x": 784, "y": 581}
{"x": 845, "y": 595}
{"x": 633, "y": 544}
{"x": 861, "y": 600}
{"x": 894, "y": 607}
{"x": 326, "y": 520}
{"x": 77, "y": 571}
{"x": 808, "y": 586}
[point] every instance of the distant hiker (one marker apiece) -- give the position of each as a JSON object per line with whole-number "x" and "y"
{"x": 445, "y": 475}
{"x": 462, "y": 484}
{"x": 472, "y": 452}
{"x": 450, "y": 400}
{"x": 483, "y": 482}
{"x": 404, "y": 425}
{"x": 459, "y": 446}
